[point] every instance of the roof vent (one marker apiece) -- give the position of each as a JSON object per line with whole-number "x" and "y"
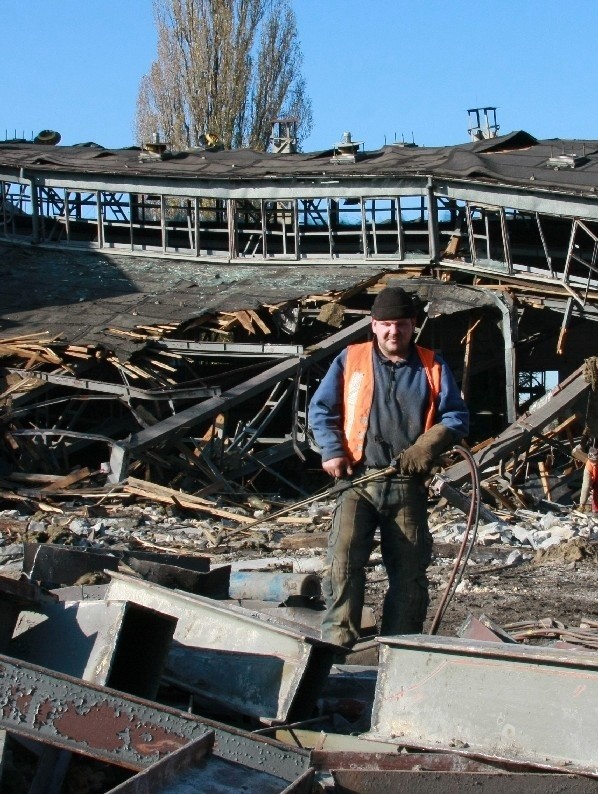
{"x": 284, "y": 135}
{"x": 347, "y": 151}
{"x": 154, "y": 150}
{"x": 566, "y": 161}
{"x": 482, "y": 123}
{"x": 47, "y": 137}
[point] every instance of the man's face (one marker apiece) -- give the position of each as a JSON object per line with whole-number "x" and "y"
{"x": 394, "y": 336}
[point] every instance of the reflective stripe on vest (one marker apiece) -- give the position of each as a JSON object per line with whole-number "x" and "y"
{"x": 358, "y": 393}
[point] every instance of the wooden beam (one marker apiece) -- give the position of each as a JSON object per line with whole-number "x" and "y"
{"x": 68, "y": 480}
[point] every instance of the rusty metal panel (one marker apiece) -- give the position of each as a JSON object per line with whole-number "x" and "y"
{"x": 417, "y": 782}
{"x": 233, "y": 657}
{"x": 527, "y": 704}
{"x": 438, "y": 773}
{"x": 358, "y": 760}
{"x": 99, "y": 641}
{"x": 101, "y": 723}
{"x": 70, "y": 714}
{"x": 483, "y": 628}
{"x": 193, "y": 768}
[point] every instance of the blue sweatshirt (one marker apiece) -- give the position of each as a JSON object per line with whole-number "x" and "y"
{"x": 397, "y": 416}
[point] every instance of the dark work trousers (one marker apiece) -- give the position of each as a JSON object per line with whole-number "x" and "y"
{"x": 398, "y": 507}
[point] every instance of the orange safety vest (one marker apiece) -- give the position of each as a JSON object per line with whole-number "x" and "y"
{"x": 359, "y": 393}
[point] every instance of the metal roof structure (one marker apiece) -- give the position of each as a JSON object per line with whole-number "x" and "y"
{"x": 509, "y": 205}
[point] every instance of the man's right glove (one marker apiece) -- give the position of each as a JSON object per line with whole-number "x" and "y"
{"x": 419, "y": 457}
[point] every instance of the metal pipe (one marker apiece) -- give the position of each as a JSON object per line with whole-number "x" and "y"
{"x": 470, "y": 530}
{"x": 341, "y": 485}
{"x": 273, "y": 586}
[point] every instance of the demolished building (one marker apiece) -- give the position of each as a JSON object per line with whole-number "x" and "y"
{"x": 497, "y": 236}
{"x": 164, "y": 319}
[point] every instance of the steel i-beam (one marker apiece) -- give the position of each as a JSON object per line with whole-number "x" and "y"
{"x": 192, "y": 768}
{"x": 519, "y": 434}
{"x": 100, "y": 641}
{"x": 107, "y": 725}
{"x": 233, "y": 657}
{"x": 491, "y": 699}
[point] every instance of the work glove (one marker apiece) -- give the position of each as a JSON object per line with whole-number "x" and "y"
{"x": 419, "y": 457}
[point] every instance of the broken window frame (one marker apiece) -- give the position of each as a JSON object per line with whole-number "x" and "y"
{"x": 308, "y": 226}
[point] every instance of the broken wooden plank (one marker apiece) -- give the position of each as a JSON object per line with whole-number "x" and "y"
{"x": 498, "y": 496}
{"x": 163, "y": 494}
{"x": 244, "y": 319}
{"x": 544, "y": 479}
{"x": 468, "y": 340}
{"x": 68, "y": 480}
{"x": 259, "y": 322}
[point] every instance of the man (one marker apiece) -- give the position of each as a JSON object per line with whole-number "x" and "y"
{"x": 589, "y": 487}
{"x": 383, "y": 400}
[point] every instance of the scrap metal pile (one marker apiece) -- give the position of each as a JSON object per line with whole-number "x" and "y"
{"x": 199, "y": 406}
{"x": 147, "y": 631}
{"x": 129, "y": 665}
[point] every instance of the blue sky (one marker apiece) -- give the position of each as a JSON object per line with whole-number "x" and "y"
{"x": 376, "y": 68}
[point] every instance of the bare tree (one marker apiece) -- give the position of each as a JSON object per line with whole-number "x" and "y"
{"x": 225, "y": 67}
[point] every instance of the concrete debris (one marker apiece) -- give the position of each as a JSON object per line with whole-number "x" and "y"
{"x": 533, "y": 529}
{"x": 514, "y": 558}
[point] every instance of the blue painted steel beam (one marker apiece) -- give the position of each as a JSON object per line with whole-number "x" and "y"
{"x": 533, "y": 705}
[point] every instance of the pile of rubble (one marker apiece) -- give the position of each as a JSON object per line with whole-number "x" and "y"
{"x": 161, "y": 614}
{"x": 191, "y": 651}
{"x": 531, "y": 530}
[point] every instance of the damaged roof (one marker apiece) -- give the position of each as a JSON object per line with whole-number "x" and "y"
{"x": 81, "y": 295}
{"x": 514, "y": 159}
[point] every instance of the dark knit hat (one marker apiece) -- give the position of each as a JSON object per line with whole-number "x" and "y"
{"x": 393, "y": 303}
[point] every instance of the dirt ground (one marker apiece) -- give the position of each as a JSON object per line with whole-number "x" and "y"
{"x": 560, "y": 583}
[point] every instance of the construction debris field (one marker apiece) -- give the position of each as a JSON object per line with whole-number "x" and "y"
{"x": 549, "y": 591}
{"x": 538, "y": 596}
{"x": 161, "y": 497}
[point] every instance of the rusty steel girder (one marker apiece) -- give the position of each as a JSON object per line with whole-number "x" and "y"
{"x": 107, "y": 725}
